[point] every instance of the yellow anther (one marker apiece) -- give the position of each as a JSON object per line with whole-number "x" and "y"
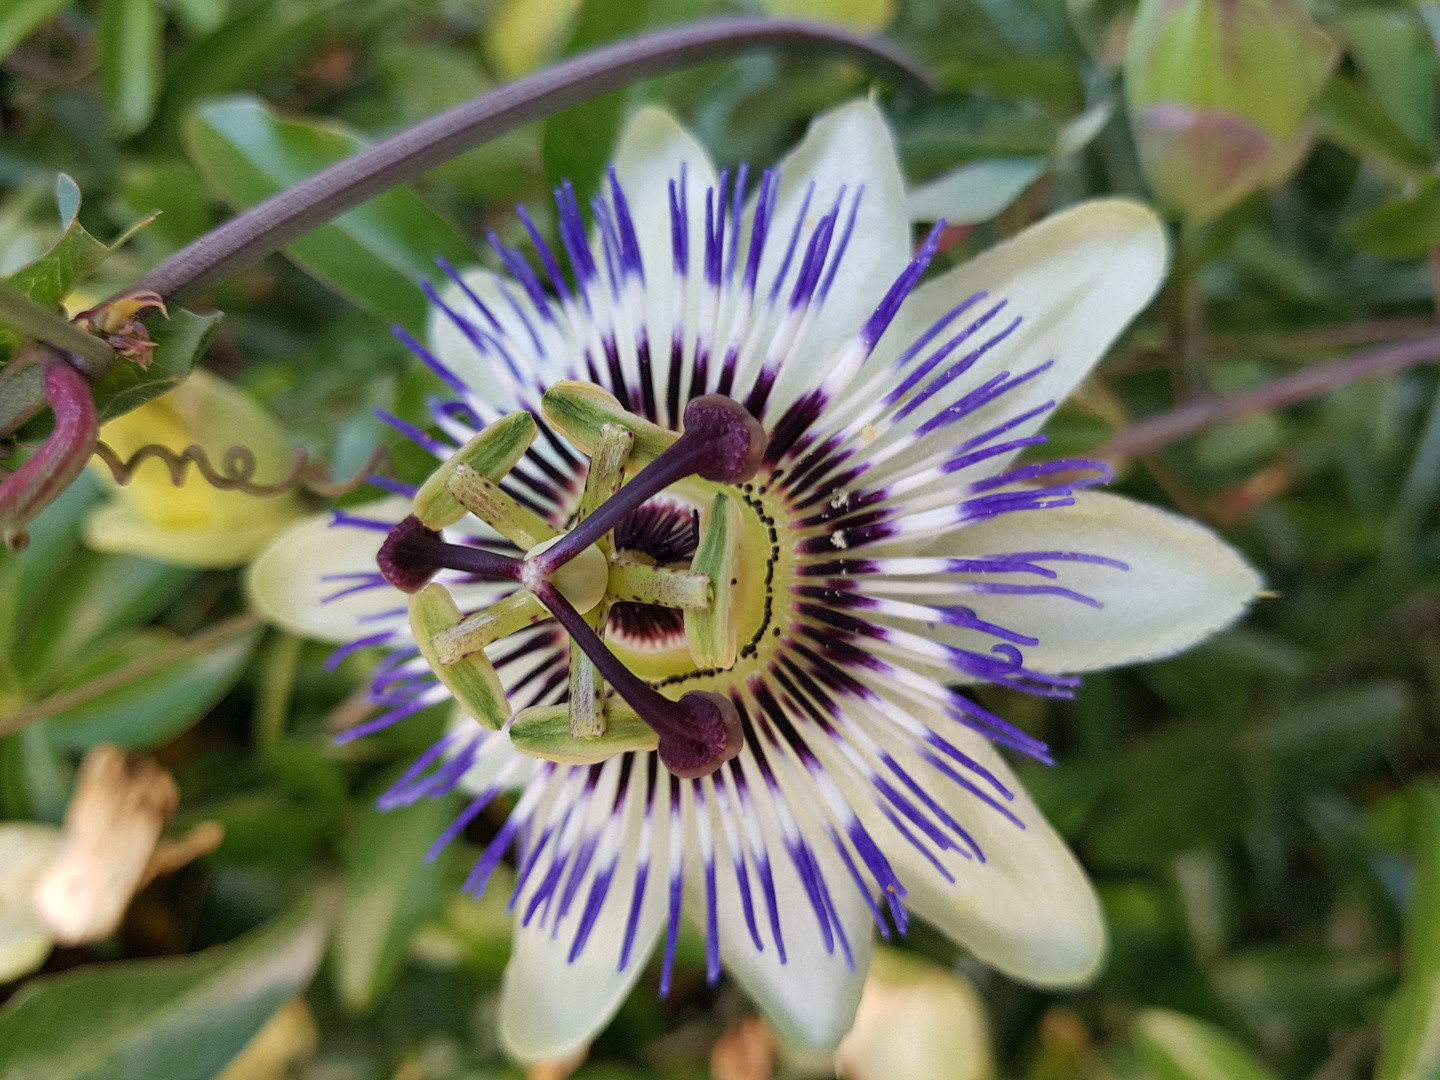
{"x": 544, "y": 732}
{"x": 500, "y": 619}
{"x": 492, "y": 453}
{"x": 710, "y": 632}
{"x": 483, "y": 497}
{"x": 472, "y": 679}
{"x": 578, "y": 410}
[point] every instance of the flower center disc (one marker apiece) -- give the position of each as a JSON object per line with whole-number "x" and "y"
{"x": 650, "y": 640}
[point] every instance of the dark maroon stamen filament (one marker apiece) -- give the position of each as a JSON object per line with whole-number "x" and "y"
{"x": 698, "y": 733}
{"x": 722, "y": 442}
{"x": 412, "y": 553}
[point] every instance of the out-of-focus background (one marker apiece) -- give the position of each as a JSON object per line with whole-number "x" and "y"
{"x": 1261, "y": 815}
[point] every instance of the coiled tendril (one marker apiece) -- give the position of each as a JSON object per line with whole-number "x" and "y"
{"x": 237, "y": 470}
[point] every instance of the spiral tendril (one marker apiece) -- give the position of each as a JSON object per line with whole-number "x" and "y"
{"x": 237, "y": 470}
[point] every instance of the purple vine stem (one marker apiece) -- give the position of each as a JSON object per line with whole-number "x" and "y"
{"x": 265, "y": 228}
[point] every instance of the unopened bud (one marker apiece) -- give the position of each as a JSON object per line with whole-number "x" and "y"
{"x": 916, "y": 1021}
{"x": 1220, "y": 94}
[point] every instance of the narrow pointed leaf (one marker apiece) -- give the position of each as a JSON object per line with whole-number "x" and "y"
{"x": 182, "y": 1017}
{"x": 373, "y": 254}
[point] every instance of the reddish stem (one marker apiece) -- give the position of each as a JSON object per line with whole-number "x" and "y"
{"x": 52, "y": 468}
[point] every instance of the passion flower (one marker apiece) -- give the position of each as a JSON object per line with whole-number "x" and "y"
{"x": 724, "y": 525}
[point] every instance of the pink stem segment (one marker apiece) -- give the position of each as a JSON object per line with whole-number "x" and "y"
{"x": 52, "y": 468}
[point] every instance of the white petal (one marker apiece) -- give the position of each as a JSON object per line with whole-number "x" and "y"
{"x": 1028, "y": 909}
{"x": 27, "y": 850}
{"x": 1075, "y": 280}
{"x": 811, "y": 998}
{"x": 462, "y": 728}
{"x": 487, "y": 375}
{"x": 286, "y": 582}
{"x": 551, "y": 1006}
{"x": 1183, "y": 584}
{"x": 848, "y": 147}
{"x": 648, "y": 156}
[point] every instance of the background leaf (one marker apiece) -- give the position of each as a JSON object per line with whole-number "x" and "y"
{"x": 181, "y": 1018}
{"x": 373, "y": 254}
{"x": 392, "y": 890}
{"x": 129, "y": 39}
{"x": 1412, "y": 1019}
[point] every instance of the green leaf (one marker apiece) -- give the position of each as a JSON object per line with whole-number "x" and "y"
{"x": 19, "y": 17}
{"x": 1290, "y": 985}
{"x": 26, "y": 578}
{"x": 154, "y": 686}
{"x": 179, "y": 341}
{"x": 181, "y": 1018}
{"x": 1177, "y": 788}
{"x": 129, "y": 39}
{"x": 1178, "y": 1047}
{"x": 1411, "y": 1046}
{"x": 975, "y": 192}
{"x": 173, "y": 188}
{"x": 393, "y": 890}
{"x": 578, "y": 141}
{"x": 1354, "y": 122}
{"x": 1326, "y": 739}
{"x": 1395, "y": 53}
{"x": 263, "y": 37}
{"x": 264, "y": 828}
{"x": 1402, "y": 227}
{"x": 99, "y": 595}
{"x": 373, "y": 254}
{"x": 948, "y": 129}
{"x": 35, "y": 779}
{"x": 50, "y": 278}
{"x": 200, "y": 17}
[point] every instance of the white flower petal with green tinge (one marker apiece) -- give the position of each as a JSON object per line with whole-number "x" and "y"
{"x": 1028, "y": 909}
{"x": 27, "y": 849}
{"x": 1183, "y": 583}
{"x": 1075, "y": 280}
{"x": 811, "y": 998}
{"x": 487, "y": 374}
{"x": 551, "y": 1006}
{"x": 647, "y": 158}
{"x": 462, "y": 728}
{"x": 287, "y": 581}
{"x": 849, "y": 147}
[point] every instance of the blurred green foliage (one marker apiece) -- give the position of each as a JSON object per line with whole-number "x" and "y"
{"x": 1260, "y": 814}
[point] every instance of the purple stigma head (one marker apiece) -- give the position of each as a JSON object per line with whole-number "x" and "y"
{"x": 399, "y": 567}
{"x": 735, "y": 441}
{"x": 712, "y": 737}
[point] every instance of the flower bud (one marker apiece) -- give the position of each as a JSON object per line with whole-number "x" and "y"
{"x": 1220, "y": 93}
{"x": 916, "y": 1021}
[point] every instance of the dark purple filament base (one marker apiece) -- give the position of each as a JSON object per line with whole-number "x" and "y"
{"x": 698, "y": 733}
{"x": 412, "y": 553}
{"x": 722, "y": 443}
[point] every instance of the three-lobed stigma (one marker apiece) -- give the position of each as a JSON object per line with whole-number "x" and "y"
{"x": 576, "y": 577}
